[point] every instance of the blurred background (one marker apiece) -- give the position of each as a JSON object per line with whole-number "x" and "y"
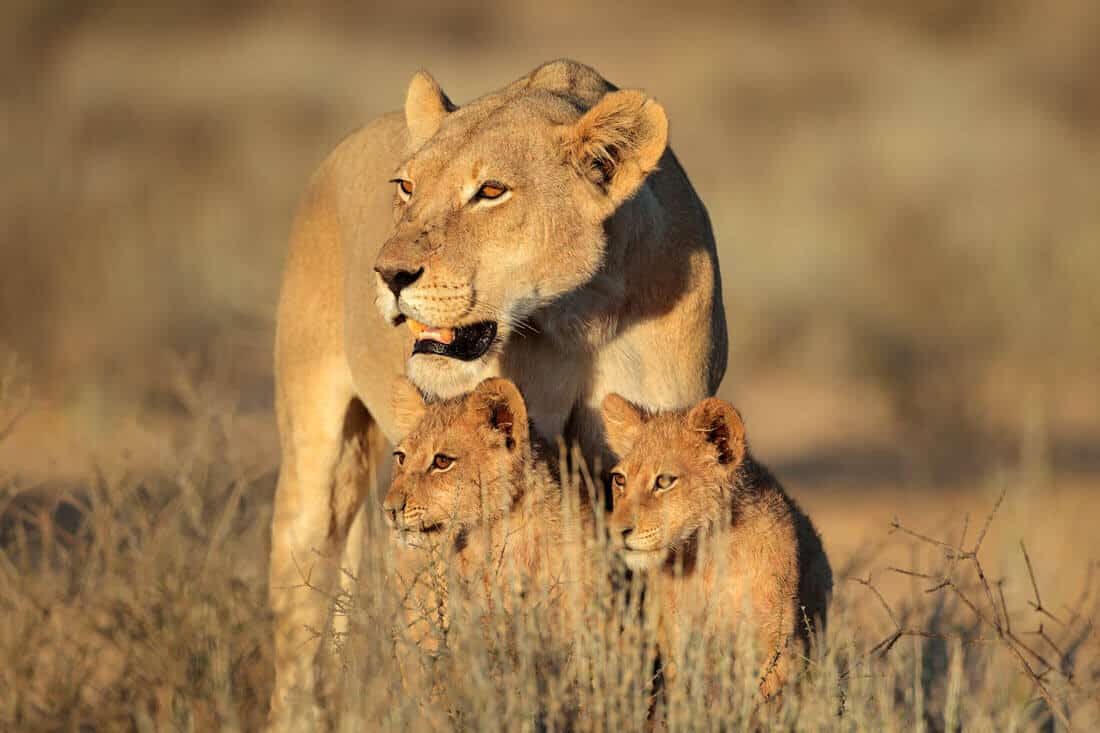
{"x": 905, "y": 196}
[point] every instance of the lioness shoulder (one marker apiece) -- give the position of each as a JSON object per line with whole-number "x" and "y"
{"x": 694, "y": 508}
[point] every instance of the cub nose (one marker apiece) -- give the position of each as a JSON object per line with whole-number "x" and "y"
{"x": 625, "y": 532}
{"x": 392, "y": 506}
{"x": 397, "y": 279}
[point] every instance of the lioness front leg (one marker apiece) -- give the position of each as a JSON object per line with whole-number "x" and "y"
{"x": 322, "y": 484}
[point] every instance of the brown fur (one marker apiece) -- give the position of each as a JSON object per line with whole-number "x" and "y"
{"x": 497, "y": 487}
{"x": 494, "y": 518}
{"x": 599, "y": 266}
{"x": 723, "y": 533}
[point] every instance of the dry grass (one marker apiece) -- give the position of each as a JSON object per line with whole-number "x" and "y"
{"x": 904, "y": 198}
{"x": 136, "y": 600}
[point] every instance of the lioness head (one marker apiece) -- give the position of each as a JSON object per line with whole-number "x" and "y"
{"x": 500, "y": 209}
{"x": 461, "y": 461}
{"x": 674, "y": 477}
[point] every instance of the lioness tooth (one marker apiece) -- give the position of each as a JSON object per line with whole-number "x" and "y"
{"x": 442, "y": 335}
{"x": 424, "y": 332}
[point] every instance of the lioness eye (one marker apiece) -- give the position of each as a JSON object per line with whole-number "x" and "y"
{"x": 618, "y": 481}
{"x": 399, "y": 457}
{"x": 491, "y": 190}
{"x": 664, "y": 482}
{"x": 442, "y": 462}
{"x": 405, "y": 186}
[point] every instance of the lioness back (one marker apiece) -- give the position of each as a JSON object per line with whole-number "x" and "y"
{"x": 715, "y": 530}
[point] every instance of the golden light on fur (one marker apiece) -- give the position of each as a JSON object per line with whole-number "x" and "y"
{"x": 720, "y": 424}
{"x": 619, "y": 141}
{"x": 408, "y": 405}
{"x": 712, "y": 527}
{"x": 425, "y": 107}
{"x": 490, "y": 502}
{"x": 536, "y": 286}
{"x": 622, "y": 423}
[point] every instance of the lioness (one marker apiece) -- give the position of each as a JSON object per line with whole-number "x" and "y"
{"x": 544, "y": 232}
{"x": 714, "y": 530}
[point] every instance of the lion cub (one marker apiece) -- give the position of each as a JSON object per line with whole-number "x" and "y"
{"x": 714, "y": 531}
{"x": 474, "y": 492}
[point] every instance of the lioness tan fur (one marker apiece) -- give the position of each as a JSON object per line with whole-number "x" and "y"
{"x": 715, "y": 531}
{"x": 593, "y": 259}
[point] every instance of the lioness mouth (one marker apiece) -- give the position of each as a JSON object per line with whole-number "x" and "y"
{"x": 465, "y": 342}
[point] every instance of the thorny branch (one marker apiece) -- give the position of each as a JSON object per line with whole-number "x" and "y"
{"x": 993, "y": 620}
{"x": 1037, "y": 604}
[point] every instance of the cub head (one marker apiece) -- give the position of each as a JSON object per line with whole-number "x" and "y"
{"x": 500, "y": 209}
{"x": 461, "y": 461}
{"x": 674, "y": 476}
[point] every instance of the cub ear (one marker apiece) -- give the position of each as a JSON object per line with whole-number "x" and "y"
{"x": 622, "y": 422}
{"x": 501, "y": 407}
{"x": 618, "y": 142}
{"x": 720, "y": 424}
{"x": 408, "y": 405}
{"x": 425, "y": 107}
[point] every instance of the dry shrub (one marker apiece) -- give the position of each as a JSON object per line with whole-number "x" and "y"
{"x": 964, "y": 667}
{"x": 136, "y": 600}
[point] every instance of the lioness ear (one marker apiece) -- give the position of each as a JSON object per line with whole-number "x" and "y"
{"x": 408, "y": 405}
{"x": 501, "y": 406}
{"x": 622, "y": 422}
{"x": 618, "y": 142}
{"x": 425, "y": 107}
{"x": 721, "y": 426}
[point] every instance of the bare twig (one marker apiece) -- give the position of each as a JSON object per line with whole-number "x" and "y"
{"x": 896, "y": 526}
{"x": 995, "y": 617}
{"x": 989, "y": 520}
{"x": 1004, "y": 606}
{"x": 868, "y": 584}
{"x": 1038, "y": 602}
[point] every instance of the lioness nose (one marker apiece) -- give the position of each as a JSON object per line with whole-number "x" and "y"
{"x": 626, "y": 532}
{"x": 397, "y": 279}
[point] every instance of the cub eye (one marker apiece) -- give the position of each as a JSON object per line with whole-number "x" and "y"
{"x": 491, "y": 190}
{"x": 664, "y": 482}
{"x": 404, "y": 188}
{"x": 442, "y": 462}
{"x": 618, "y": 480}
{"x": 399, "y": 457}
